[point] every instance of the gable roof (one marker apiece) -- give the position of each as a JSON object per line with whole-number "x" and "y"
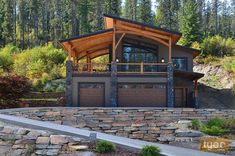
{"x": 143, "y": 24}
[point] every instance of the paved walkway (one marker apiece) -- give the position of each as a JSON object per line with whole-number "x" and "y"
{"x": 130, "y": 143}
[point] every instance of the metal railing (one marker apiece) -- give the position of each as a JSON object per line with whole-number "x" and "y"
{"x": 122, "y": 68}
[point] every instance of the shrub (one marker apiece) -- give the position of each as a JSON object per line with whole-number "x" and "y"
{"x": 150, "y": 151}
{"x": 229, "y": 64}
{"x": 196, "y": 124}
{"x": 105, "y": 147}
{"x": 34, "y": 62}
{"x": 214, "y": 130}
{"x": 218, "y": 46}
{"x": 229, "y": 123}
{"x": 215, "y": 122}
{"x": 12, "y": 88}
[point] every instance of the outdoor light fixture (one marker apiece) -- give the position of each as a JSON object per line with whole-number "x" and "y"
{"x": 162, "y": 60}
{"x": 117, "y": 60}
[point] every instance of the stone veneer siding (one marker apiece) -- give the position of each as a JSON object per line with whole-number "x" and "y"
{"x": 150, "y": 124}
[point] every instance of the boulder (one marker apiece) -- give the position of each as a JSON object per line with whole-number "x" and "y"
{"x": 58, "y": 139}
{"x": 43, "y": 140}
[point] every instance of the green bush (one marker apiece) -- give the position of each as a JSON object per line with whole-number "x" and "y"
{"x": 149, "y": 150}
{"x": 218, "y": 46}
{"x": 215, "y": 122}
{"x": 34, "y": 62}
{"x": 105, "y": 147}
{"x": 215, "y": 130}
{"x": 229, "y": 123}
{"x": 196, "y": 124}
{"x": 229, "y": 64}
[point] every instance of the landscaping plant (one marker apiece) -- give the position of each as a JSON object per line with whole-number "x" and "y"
{"x": 105, "y": 147}
{"x": 149, "y": 150}
{"x": 12, "y": 88}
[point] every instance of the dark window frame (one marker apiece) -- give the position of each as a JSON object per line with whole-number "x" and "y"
{"x": 186, "y": 60}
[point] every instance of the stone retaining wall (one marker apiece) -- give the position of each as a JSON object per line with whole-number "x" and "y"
{"x": 150, "y": 124}
{"x": 18, "y": 141}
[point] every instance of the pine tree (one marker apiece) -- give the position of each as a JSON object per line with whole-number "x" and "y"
{"x": 1, "y": 22}
{"x": 23, "y": 23}
{"x": 226, "y": 20}
{"x": 146, "y": 15}
{"x": 84, "y": 17}
{"x": 167, "y": 14}
{"x": 189, "y": 23}
{"x": 214, "y": 16}
{"x": 113, "y": 7}
{"x": 130, "y": 9}
{"x": 8, "y": 20}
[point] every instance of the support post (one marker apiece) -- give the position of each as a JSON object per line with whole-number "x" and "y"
{"x": 113, "y": 97}
{"x": 170, "y": 85}
{"x": 69, "y": 78}
{"x": 196, "y": 94}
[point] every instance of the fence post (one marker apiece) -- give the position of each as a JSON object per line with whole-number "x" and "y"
{"x": 142, "y": 67}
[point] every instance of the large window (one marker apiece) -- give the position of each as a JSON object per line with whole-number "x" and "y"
{"x": 180, "y": 63}
{"x": 136, "y": 54}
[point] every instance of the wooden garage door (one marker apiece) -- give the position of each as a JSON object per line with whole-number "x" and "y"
{"x": 141, "y": 95}
{"x": 180, "y": 97}
{"x": 91, "y": 95}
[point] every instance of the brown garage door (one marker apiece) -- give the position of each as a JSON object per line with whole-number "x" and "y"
{"x": 91, "y": 95}
{"x": 141, "y": 95}
{"x": 180, "y": 97}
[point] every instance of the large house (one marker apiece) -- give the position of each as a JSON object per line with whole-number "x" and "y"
{"x": 144, "y": 67}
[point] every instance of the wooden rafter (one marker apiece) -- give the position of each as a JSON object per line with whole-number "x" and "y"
{"x": 119, "y": 41}
{"x": 146, "y": 36}
{"x": 124, "y": 27}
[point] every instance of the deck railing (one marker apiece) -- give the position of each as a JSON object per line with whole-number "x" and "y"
{"x": 122, "y": 68}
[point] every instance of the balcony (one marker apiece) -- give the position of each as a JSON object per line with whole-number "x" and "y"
{"x": 122, "y": 68}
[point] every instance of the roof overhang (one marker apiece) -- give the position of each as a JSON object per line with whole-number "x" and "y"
{"x": 141, "y": 28}
{"x": 195, "y": 52}
{"x": 188, "y": 75}
{"x": 93, "y": 44}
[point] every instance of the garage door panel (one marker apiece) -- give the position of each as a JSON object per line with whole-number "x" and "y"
{"x": 142, "y": 95}
{"x": 91, "y": 95}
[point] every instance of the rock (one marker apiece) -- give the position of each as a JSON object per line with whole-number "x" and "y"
{"x": 18, "y": 152}
{"x": 8, "y": 130}
{"x": 164, "y": 138}
{"x": 40, "y": 152}
{"x": 53, "y": 152}
{"x": 54, "y": 147}
{"x": 78, "y": 147}
{"x": 33, "y": 134}
{"x": 58, "y": 139}
{"x": 41, "y": 146}
{"x": 85, "y": 154}
{"x": 232, "y": 145}
{"x": 188, "y": 133}
{"x": 43, "y": 140}
{"x": 22, "y": 131}
{"x": 19, "y": 146}
{"x": 24, "y": 141}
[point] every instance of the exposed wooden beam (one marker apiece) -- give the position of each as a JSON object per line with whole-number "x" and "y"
{"x": 146, "y": 36}
{"x": 124, "y": 27}
{"x": 119, "y": 41}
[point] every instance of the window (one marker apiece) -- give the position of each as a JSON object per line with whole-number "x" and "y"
{"x": 180, "y": 63}
{"x": 136, "y": 54}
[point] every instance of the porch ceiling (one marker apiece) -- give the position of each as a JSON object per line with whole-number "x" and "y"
{"x": 93, "y": 44}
